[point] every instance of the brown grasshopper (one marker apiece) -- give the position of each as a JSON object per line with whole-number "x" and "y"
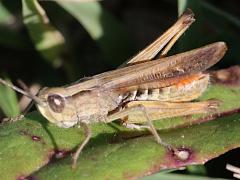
{"x": 141, "y": 91}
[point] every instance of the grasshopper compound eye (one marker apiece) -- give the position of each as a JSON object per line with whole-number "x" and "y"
{"x": 60, "y": 109}
{"x": 56, "y": 103}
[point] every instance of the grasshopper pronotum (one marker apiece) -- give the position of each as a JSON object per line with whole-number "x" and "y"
{"x": 140, "y": 91}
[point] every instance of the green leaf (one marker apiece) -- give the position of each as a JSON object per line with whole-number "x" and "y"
{"x": 10, "y": 36}
{"x": 223, "y": 14}
{"x": 32, "y": 145}
{"x": 197, "y": 170}
{"x": 190, "y": 40}
{"x": 110, "y": 35}
{"x": 9, "y": 102}
{"x": 176, "y": 177}
{"x": 5, "y": 15}
{"x": 47, "y": 40}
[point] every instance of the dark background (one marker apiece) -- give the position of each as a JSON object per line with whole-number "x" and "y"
{"x": 142, "y": 21}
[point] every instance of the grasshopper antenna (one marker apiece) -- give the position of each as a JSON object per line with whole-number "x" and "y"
{"x": 28, "y": 94}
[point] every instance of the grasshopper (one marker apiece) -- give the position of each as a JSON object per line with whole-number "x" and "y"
{"x": 139, "y": 92}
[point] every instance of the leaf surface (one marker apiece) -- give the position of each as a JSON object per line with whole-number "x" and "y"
{"x": 34, "y": 147}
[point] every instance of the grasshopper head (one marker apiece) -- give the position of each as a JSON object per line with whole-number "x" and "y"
{"x": 55, "y": 104}
{"x": 58, "y": 107}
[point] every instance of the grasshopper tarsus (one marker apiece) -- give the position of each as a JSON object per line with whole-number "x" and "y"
{"x": 189, "y": 16}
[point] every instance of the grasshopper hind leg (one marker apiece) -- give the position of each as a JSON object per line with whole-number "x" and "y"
{"x": 151, "y": 130}
{"x": 141, "y": 112}
{"x": 139, "y": 108}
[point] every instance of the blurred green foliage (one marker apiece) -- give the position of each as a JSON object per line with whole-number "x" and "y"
{"x": 9, "y": 102}
{"x": 47, "y": 40}
{"x": 54, "y": 43}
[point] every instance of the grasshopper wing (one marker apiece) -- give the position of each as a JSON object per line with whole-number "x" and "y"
{"x": 164, "y": 69}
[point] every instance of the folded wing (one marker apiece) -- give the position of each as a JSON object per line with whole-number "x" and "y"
{"x": 164, "y": 69}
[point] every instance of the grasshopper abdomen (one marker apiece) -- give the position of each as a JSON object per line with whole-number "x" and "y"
{"x": 186, "y": 89}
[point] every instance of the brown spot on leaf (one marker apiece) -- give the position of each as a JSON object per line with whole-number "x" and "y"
{"x": 33, "y": 137}
{"x": 61, "y": 153}
{"x": 182, "y": 154}
{"x": 229, "y": 76}
{"x": 36, "y": 138}
{"x": 54, "y": 155}
{"x": 22, "y": 177}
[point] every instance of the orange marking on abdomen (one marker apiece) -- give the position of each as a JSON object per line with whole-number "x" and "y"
{"x": 188, "y": 80}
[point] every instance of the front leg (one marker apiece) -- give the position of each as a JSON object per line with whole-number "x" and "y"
{"x": 88, "y": 134}
{"x": 13, "y": 119}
